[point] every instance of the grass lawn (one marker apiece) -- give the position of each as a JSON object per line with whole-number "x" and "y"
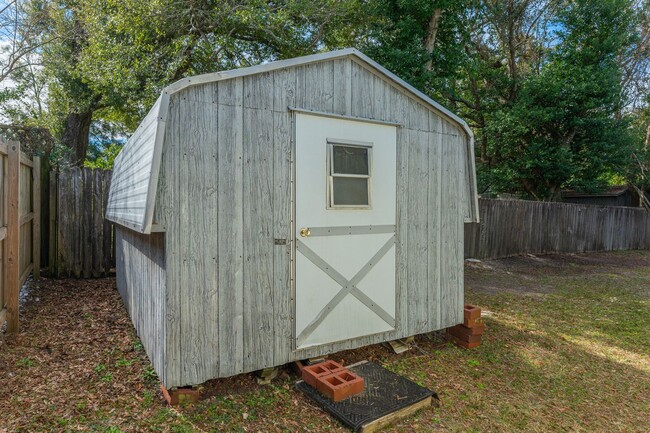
{"x": 567, "y": 349}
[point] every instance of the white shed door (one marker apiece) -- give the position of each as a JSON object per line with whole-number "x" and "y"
{"x": 345, "y": 229}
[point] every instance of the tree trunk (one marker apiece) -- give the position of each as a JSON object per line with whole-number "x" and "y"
{"x": 430, "y": 40}
{"x": 76, "y": 135}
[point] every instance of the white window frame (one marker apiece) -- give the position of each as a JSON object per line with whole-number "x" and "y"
{"x": 331, "y": 142}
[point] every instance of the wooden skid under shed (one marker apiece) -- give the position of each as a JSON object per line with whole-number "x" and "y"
{"x": 391, "y": 418}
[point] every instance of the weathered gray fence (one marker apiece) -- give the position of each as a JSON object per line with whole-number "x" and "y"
{"x": 82, "y": 243}
{"x": 511, "y": 227}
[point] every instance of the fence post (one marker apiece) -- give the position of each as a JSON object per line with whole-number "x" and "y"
{"x": 36, "y": 222}
{"x": 12, "y": 265}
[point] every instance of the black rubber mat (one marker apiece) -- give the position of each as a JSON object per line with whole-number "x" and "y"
{"x": 385, "y": 393}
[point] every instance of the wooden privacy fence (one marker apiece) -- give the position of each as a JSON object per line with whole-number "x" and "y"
{"x": 511, "y": 227}
{"x": 82, "y": 243}
{"x": 19, "y": 227}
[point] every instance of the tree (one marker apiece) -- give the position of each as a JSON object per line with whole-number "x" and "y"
{"x": 19, "y": 36}
{"x": 422, "y": 42}
{"x": 116, "y": 55}
{"x": 561, "y": 127}
{"x": 541, "y": 82}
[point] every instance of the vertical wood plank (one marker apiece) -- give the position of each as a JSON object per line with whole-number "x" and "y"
{"x": 52, "y": 249}
{"x": 435, "y": 209}
{"x": 417, "y": 277}
{"x": 342, "y": 87}
{"x": 97, "y": 223}
{"x": 284, "y": 90}
{"x": 231, "y": 230}
{"x": 63, "y": 229}
{"x": 4, "y": 177}
{"x": 258, "y": 91}
{"x": 208, "y": 165}
{"x": 319, "y": 86}
{"x": 107, "y": 227}
{"x": 282, "y": 307}
{"x": 45, "y": 211}
{"x": 12, "y": 241}
{"x": 199, "y": 273}
{"x": 76, "y": 245}
{"x": 189, "y": 246}
{"x": 170, "y": 216}
{"x": 449, "y": 272}
{"x": 258, "y": 238}
{"x": 36, "y": 222}
{"x": 87, "y": 229}
{"x": 362, "y": 92}
{"x": 457, "y": 309}
{"x": 282, "y": 148}
{"x": 401, "y": 244}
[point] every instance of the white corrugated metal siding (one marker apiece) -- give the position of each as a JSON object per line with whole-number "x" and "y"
{"x": 135, "y": 173}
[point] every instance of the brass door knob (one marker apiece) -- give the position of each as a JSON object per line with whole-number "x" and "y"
{"x": 304, "y": 232}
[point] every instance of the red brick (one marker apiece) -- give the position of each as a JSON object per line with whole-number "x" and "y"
{"x": 464, "y": 337}
{"x": 312, "y": 373}
{"x": 340, "y": 386}
{"x": 177, "y": 396}
{"x": 459, "y": 330}
{"x": 473, "y": 323}
{"x": 471, "y": 312}
{"x": 461, "y": 343}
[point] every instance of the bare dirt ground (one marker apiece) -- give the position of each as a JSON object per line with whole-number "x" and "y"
{"x": 567, "y": 349}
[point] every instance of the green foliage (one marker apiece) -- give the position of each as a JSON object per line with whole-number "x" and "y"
{"x": 25, "y": 362}
{"x": 541, "y": 83}
{"x": 123, "y": 362}
{"x": 149, "y": 375}
{"x": 136, "y": 48}
{"x": 102, "y": 371}
{"x": 105, "y": 158}
{"x": 107, "y": 60}
{"x": 397, "y": 29}
{"x": 552, "y": 88}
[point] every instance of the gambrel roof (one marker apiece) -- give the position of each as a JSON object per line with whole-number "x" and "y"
{"x": 135, "y": 174}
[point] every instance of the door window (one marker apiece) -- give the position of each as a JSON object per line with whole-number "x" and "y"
{"x": 349, "y": 174}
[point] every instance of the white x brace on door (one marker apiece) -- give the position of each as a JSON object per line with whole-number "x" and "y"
{"x": 345, "y": 229}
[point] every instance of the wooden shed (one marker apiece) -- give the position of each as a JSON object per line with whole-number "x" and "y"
{"x": 290, "y": 210}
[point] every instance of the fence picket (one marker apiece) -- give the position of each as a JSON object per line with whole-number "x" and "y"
{"x": 87, "y": 227}
{"x": 76, "y": 247}
{"x": 12, "y": 239}
{"x": 97, "y": 223}
{"x": 512, "y": 227}
{"x": 83, "y": 238}
{"x": 19, "y": 228}
{"x": 507, "y": 228}
{"x": 108, "y": 238}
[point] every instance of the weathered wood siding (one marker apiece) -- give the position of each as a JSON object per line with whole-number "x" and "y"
{"x": 141, "y": 281}
{"x": 511, "y": 227}
{"x": 81, "y": 243}
{"x": 225, "y": 194}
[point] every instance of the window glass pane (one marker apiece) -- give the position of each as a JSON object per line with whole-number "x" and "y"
{"x": 350, "y": 160}
{"x": 350, "y": 191}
